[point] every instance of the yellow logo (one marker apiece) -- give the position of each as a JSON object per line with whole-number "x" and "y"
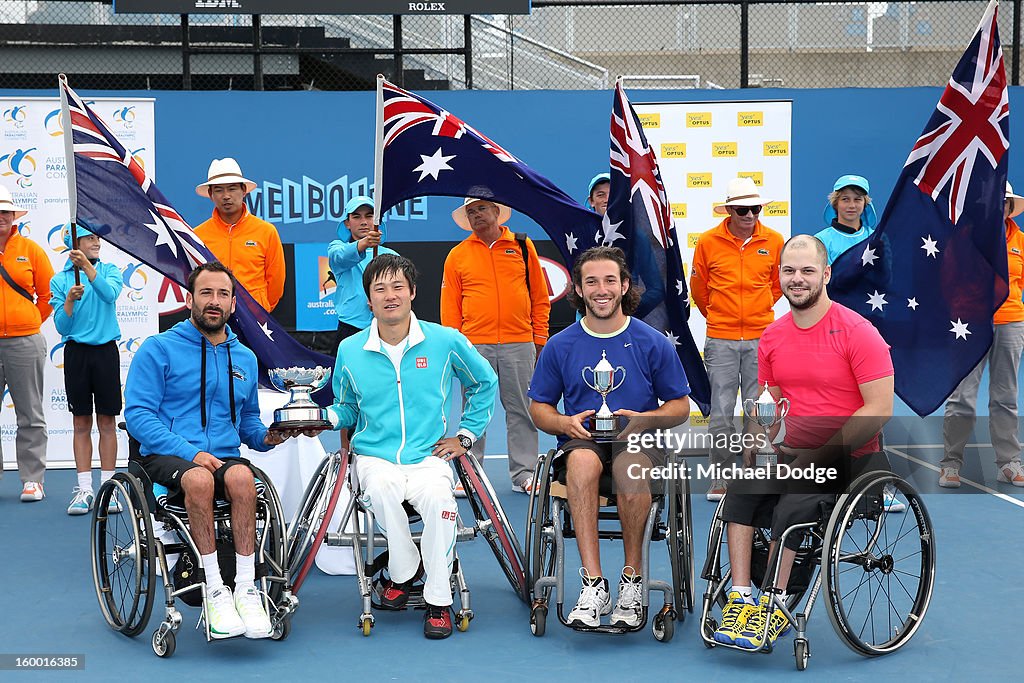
{"x": 756, "y": 176}
{"x": 723, "y": 149}
{"x": 750, "y": 118}
{"x": 698, "y": 119}
{"x": 777, "y": 209}
{"x": 779, "y": 148}
{"x": 698, "y": 420}
{"x": 691, "y": 239}
{"x": 673, "y": 150}
{"x": 678, "y": 210}
{"x": 652, "y": 120}
{"x": 698, "y": 180}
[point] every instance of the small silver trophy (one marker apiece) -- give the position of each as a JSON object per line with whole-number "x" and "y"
{"x": 767, "y": 412}
{"x": 604, "y": 426}
{"x": 301, "y": 412}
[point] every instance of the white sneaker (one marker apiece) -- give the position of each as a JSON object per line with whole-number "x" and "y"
{"x": 949, "y": 478}
{"x": 1011, "y": 473}
{"x": 249, "y": 606}
{"x": 717, "y": 490}
{"x": 221, "y": 615}
{"x": 459, "y": 490}
{"x": 629, "y": 605}
{"x": 81, "y": 501}
{"x": 891, "y": 502}
{"x": 32, "y": 492}
{"x": 594, "y": 602}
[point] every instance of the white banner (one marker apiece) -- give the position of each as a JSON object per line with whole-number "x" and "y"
{"x": 701, "y": 146}
{"x": 32, "y": 167}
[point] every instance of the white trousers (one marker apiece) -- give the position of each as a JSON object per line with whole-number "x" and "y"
{"x": 427, "y": 485}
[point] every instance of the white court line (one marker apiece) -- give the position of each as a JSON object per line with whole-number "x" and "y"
{"x": 980, "y": 487}
{"x": 910, "y": 446}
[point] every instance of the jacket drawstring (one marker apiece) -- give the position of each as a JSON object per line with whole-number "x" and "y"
{"x": 231, "y": 383}
{"x": 202, "y": 386}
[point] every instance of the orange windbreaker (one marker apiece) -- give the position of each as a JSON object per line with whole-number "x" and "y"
{"x": 484, "y": 293}
{"x": 29, "y": 266}
{"x": 252, "y": 249}
{"x": 1012, "y": 310}
{"x": 734, "y": 284}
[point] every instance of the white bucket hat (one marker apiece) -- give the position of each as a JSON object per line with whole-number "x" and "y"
{"x": 741, "y": 192}
{"x": 462, "y": 220}
{"x": 1018, "y": 201}
{"x": 224, "y": 172}
{"x": 7, "y": 203}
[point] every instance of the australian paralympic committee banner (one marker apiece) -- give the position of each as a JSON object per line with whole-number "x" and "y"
{"x": 32, "y": 167}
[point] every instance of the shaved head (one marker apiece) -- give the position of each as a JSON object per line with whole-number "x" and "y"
{"x": 806, "y": 242}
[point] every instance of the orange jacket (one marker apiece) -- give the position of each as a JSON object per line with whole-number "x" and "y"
{"x": 252, "y": 249}
{"x": 484, "y": 293}
{"x": 734, "y": 284}
{"x": 29, "y": 266}
{"x": 1012, "y": 310}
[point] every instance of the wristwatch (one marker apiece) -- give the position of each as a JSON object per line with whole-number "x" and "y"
{"x": 465, "y": 441}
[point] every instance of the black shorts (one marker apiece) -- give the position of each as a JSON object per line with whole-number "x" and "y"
{"x": 608, "y": 452}
{"x": 167, "y": 471}
{"x": 92, "y": 371}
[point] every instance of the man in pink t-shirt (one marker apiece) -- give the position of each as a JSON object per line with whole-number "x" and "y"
{"x": 835, "y": 369}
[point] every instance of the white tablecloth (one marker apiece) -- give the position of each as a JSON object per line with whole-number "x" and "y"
{"x": 290, "y": 466}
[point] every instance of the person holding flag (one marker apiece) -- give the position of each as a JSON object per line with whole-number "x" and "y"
{"x": 85, "y": 316}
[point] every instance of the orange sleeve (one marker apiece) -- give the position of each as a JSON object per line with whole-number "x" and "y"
{"x": 451, "y": 294}
{"x": 275, "y": 269}
{"x": 776, "y": 285}
{"x": 540, "y": 309}
{"x": 699, "y": 279}
{"x": 42, "y": 273}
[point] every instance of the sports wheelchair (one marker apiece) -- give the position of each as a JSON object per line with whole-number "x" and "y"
{"x": 127, "y": 547}
{"x": 877, "y": 569}
{"x": 312, "y": 527}
{"x": 550, "y": 523}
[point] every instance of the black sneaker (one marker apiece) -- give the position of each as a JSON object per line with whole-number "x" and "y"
{"x": 437, "y": 622}
{"x": 395, "y": 595}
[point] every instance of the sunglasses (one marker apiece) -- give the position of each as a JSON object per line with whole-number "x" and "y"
{"x": 744, "y": 210}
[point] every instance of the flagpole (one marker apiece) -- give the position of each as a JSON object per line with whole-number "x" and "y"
{"x": 378, "y": 155}
{"x": 69, "y": 163}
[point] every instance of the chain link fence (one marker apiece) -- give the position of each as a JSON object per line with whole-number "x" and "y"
{"x": 563, "y": 44}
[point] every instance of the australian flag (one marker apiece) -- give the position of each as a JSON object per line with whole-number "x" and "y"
{"x": 119, "y": 202}
{"x": 639, "y": 221}
{"x": 933, "y": 274}
{"x": 423, "y": 150}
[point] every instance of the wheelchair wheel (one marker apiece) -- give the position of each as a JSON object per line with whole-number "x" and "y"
{"x": 270, "y": 535}
{"x": 123, "y": 555}
{"x": 540, "y": 558}
{"x": 163, "y": 644}
{"x": 493, "y": 524}
{"x": 314, "y": 516}
{"x": 680, "y": 546}
{"x": 879, "y": 568}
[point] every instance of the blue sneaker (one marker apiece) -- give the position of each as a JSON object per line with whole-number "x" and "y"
{"x": 81, "y": 501}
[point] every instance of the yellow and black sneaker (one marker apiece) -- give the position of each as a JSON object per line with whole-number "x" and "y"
{"x": 752, "y": 635}
{"x": 734, "y": 617}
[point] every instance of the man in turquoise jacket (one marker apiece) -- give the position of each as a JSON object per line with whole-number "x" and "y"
{"x": 348, "y": 257}
{"x": 393, "y": 384}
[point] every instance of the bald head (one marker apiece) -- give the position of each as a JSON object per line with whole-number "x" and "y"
{"x": 803, "y": 242}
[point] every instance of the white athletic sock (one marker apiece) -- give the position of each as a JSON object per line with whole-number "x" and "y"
{"x": 211, "y": 567}
{"x": 245, "y": 571}
{"x": 85, "y": 480}
{"x": 745, "y": 592}
{"x": 106, "y": 475}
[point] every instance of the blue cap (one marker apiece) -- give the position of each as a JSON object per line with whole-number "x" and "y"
{"x": 66, "y": 233}
{"x": 354, "y": 203}
{"x": 599, "y": 178}
{"x": 868, "y": 218}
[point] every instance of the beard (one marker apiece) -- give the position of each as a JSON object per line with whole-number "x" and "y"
{"x": 615, "y": 305}
{"x": 200, "y": 321}
{"x": 813, "y": 296}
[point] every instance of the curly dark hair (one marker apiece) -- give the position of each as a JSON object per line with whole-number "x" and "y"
{"x": 630, "y": 300}
{"x": 209, "y": 267}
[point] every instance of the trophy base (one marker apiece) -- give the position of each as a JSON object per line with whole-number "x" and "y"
{"x": 300, "y": 418}
{"x": 766, "y": 459}
{"x": 603, "y": 429}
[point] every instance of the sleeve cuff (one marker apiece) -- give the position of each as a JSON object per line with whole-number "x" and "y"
{"x": 465, "y": 432}
{"x": 332, "y": 417}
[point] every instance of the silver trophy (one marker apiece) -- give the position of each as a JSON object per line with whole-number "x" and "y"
{"x": 604, "y": 426}
{"x": 301, "y": 412}
{"x": 767, "y": 412}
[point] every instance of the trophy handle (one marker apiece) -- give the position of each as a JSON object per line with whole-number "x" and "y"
{"x": 748, "y": 408}
{"x": 583, "y": 373}
{"x": 616, "y": 386}
{"x": 783, "y": 404}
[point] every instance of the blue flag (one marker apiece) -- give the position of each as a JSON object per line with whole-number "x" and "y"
{"x": 117, "y": 201}
{"x": 934, "y": 273}
{"x": 639, "y": 221}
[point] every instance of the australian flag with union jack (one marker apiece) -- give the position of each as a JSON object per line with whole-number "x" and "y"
{"x": 934, "y": 273}
{"x": 120, "y": 203}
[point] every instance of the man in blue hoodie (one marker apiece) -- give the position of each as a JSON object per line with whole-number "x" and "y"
{"x": 393, "y": 384}
{"x": 190, "y": 400}
{"x": 85, "y": 317}
{"x": 348, "y": 257}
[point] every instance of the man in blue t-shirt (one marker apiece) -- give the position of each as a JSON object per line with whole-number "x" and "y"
{"x": 653, "y": 374}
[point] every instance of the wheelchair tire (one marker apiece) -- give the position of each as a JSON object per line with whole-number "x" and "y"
{"x": 317, "y": 511}
{"x": 871, "y": 557}
{"x": 163, "y": 645}
{"x": 680, "y": 546}
{"x": 275, "y": 550}
{"x": 540, "y": 548}
{"x": 123, "y": 555}
{"x": 493, "y": 524}
{"x": 663, "y": 626}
